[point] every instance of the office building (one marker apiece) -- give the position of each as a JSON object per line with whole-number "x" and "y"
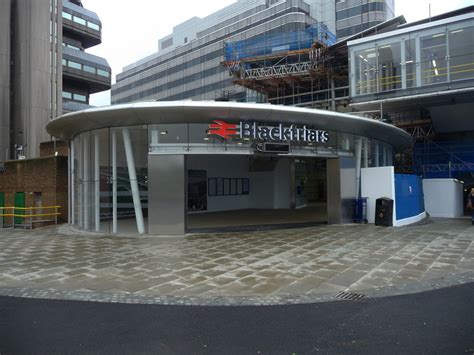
{"x": 188, "y": 64}
{"x": 44, "y": 69}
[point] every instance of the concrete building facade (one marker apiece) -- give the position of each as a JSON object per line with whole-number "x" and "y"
{"x": 33, "y": 52}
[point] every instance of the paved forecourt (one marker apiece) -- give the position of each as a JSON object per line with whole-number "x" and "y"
{"x": 263, "y": 267}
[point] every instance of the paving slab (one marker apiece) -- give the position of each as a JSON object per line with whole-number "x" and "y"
{"x": 263, "y": 267}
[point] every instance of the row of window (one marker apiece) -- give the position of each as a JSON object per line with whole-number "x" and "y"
{"x": 430, "y": 58}
{"x": 81, "y": 21}
{"x": 86, "y": 68}
{"x": 188, "y": 64}
{"x": 352, "y": 30}
{"x": 158, "y": 61}
{"x": 361, "y": 9}
{"x": 74, "y": 96}
{"x": 71, "y": 46}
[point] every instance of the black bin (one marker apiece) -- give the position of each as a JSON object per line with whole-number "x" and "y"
{"x": 384, "y": 212}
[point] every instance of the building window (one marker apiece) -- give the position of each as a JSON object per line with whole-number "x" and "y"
{"x": 461, "y": 55}
{"x": 103, "y": 73}
{"x": 390, "y": 68}
{"x": 79, "y": 20}
{"x": 79, "y": 97}
{"x": 93, "y": 26}
{"x": 88, "y": 69}
{"x": 64, "y": 62}
{"x": 67, "y": 16}
{"x": 74, "y": 65}
{"x": 67, "y": 95}
{"x": 433, "y": 59}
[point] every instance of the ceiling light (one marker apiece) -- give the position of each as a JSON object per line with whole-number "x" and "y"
{"x": 206, "y": 138}
{"x": 434, "y": 63}
{"x": 457, "y": 31}
{"x": 438, "y": 35}
{"x": 164, "y": 133}
{"x": 436, "y": 72}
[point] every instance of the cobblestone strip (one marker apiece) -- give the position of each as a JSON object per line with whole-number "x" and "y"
{"x": 377, "y": 292}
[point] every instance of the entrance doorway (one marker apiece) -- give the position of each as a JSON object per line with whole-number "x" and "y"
{"x": 236, "y": 191}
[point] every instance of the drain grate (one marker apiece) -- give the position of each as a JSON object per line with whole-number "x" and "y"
{"x": 350, "y": 296}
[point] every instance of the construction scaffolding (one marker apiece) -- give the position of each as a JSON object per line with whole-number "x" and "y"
{"x": 291, "y": 68}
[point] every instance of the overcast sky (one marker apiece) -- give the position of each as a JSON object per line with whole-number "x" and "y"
{"x": 131, "y": 29}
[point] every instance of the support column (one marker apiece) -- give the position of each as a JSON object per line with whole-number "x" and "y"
{"x": 80, "y": 162}
{"x": 72, "y": 191}
{"x": 358, "y": 158}
{"x": 377, "y": 154}
{"x": 334, "y": 201}
{"x": 366, "y": 153}
{"x": 86, "y": 182}
{"x": 403, "y": 64}
{"x": 166, "y": 194}
{"x": 137, "y": 204}
{"x": 97, "y": 182}
{"x": 333, "y": 94}
{"x": 418, "y": 61}
{"x": 114, "y": 181}
{"x": 384, "y": 156}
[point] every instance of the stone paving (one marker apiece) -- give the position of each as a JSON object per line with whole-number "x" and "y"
{"x": 271, "y": 266}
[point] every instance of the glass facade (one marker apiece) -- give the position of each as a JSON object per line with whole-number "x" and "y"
{"x": 435, "y": 56}
{"x": 109, "y": 169}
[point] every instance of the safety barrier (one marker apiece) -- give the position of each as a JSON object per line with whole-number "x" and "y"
{"x": 26, "y": 215}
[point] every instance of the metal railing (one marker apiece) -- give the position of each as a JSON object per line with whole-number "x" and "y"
{"x": 27, "y": 216}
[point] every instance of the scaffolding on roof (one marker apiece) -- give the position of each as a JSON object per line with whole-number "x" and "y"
{"x": 295, "y": 67}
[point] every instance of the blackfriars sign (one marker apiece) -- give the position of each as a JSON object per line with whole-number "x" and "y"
{"x": 252, "y": 130}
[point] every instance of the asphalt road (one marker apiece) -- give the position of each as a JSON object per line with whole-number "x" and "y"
{"x": 436, "y": 322}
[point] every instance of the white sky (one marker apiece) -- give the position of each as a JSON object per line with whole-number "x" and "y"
{"x": 131, "y": 29}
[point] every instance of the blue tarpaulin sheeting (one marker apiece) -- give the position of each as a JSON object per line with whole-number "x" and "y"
{"x": 279, "y": 42}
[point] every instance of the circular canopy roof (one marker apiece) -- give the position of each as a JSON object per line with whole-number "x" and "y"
{"x": 162, "y": 112}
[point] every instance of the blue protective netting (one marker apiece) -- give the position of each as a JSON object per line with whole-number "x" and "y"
{"x": 431, "y": 159}
{"x": 279, "y": 42}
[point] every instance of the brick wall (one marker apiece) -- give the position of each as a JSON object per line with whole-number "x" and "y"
{"x": 48, "y": 149}
{"x": 48, "y": 175}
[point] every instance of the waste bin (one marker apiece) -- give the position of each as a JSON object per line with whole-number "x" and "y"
{"x": 360, "y": 210}
{"x": 384, "y": 212}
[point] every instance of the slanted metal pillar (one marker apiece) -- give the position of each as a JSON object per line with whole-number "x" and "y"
{"x": 114, "y": 181}
{"x": 137, "y": 204}
{"x": 97, "y": 182}
{"x": 72, "y": 191}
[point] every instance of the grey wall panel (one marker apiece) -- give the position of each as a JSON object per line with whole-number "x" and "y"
{"x": 166, "y": 194}
{"x": 348, "y": 188}
{"x": 334, "y": 191}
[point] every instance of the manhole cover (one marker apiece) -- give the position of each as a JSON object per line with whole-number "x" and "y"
{"x": 350, "y": 296}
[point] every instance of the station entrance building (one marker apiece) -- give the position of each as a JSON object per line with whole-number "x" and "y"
{"x": 167, "y": 168}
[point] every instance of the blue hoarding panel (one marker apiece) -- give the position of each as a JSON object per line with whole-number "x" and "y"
{"x": 408, "y": 196}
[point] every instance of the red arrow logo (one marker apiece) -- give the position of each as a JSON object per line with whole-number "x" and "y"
{"x": 222, "y": 129}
